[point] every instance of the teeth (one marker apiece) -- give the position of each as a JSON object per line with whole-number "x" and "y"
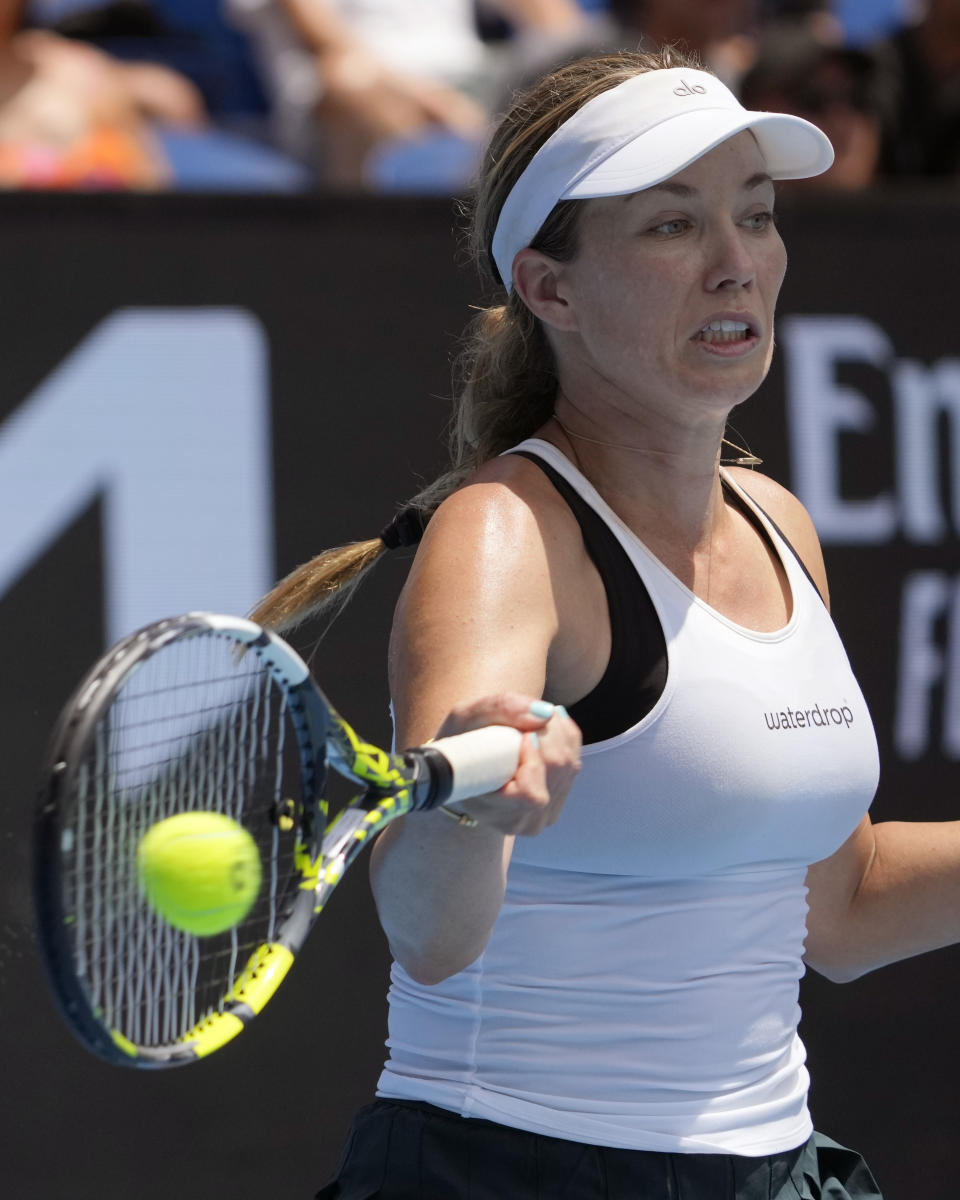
{"x": 726, "y": 327}
{"x": 724, "y": 331}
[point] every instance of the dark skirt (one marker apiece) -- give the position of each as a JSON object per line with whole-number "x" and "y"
{"x": 402, "y": 1150}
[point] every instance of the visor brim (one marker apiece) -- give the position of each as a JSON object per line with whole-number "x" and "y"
{"x": 792, "y": 149}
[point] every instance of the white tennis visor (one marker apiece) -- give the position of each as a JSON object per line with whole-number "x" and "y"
{"x": 640, "y": 133}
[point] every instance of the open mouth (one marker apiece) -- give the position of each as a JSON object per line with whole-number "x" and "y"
{"x": 726, "y": 332}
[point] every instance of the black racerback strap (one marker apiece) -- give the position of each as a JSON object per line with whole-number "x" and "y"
{"x": 636, "y": 673}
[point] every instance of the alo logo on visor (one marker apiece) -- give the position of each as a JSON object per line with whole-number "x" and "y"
{"x": 686, "y": 90}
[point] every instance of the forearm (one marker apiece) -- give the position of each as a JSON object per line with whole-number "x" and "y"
{"x": 438, "y": 888}
{"x": 907, "y": 902}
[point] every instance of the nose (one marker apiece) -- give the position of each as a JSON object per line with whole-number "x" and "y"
{"x": 731, "y": 265}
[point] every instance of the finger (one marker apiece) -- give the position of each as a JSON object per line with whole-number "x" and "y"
{"x": 529, "y": 783}
{"x": 562, "y": 737}
{"x": 506, "y": 708}
{"x": 532, "y": 799}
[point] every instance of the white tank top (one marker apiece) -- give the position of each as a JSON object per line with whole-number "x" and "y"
{"x": 640, "y": 987}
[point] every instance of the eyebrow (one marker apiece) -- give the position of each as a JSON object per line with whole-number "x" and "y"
{"x": 758, "y": 179}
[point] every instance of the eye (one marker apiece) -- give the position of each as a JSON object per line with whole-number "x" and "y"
{"x": 671, "y": 227}
{"x": 761, "y": 221}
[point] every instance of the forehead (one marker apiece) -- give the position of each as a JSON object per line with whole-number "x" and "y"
{"x": 729, "y": 174}
{"x": 734, "y": 164}
{"x": 733, "y": 173}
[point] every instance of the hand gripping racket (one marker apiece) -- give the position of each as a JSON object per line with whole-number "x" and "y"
{"x": 206, "y": 713}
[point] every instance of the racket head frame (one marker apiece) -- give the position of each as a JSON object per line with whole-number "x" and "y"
{"x": 391, "y": 785}
{"x": 310, "y": 717}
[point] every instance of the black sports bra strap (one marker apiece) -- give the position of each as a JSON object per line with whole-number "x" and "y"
{"x": 636, "y": 672}
{"x": 748, "y": 511}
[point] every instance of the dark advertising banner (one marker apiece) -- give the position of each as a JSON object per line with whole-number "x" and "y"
{"x": 197, "y": 394}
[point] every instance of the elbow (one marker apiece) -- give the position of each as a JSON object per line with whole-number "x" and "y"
{"x": 426, "y": 974}
{"x": 837, "y": 971}
{"x": 836, "y": 961}
{"x": 835, "y": 949}
{"x": 430, "y": 966}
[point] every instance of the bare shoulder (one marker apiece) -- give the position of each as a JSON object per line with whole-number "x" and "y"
{"x": 790, "y": 516}
{"x": 507, "y": 508}
{"x": 498, "y": 545}
{"x": 486, "y": 595}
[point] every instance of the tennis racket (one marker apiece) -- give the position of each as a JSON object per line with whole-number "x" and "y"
{"x": 204, "y": 713}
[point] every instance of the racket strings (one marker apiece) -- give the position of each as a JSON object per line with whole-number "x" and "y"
{"x": 195, "y": 728}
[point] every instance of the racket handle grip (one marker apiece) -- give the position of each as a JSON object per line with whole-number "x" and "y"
{"x": 469, "y": 764}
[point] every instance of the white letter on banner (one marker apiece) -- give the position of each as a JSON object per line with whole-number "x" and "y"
{"x": 164, "y": 413}
{"x": 818, "y": 409}
{"x": 951, "y": 699}
{"x": 925, "y": 598}
{"x": 917, "y": 407}
{"x": 947, "y": 375}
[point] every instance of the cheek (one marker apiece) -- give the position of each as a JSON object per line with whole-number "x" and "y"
{"x": 776, "y": 268}
{"x": 627, "y": 317}
{"x": 605, "y": 299}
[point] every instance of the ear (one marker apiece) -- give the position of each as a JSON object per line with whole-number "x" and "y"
{"x": 538, "y": 280}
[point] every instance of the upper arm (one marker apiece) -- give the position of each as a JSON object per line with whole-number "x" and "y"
{"x": 791, "y": 518}
{"x": 478, "y": 613}
{"x": 832, "y": 887}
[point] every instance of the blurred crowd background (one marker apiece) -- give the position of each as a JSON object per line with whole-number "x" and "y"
{"x": 396, "y": 95}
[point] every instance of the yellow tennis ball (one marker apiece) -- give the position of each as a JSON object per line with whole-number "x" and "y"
{"x": 200, "y": 871}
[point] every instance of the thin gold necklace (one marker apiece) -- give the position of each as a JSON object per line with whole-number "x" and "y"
{"x": 745, "y": 459}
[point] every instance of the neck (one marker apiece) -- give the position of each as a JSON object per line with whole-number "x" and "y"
{"x": 738, "y": 456}
{"x": 663, "y": 482}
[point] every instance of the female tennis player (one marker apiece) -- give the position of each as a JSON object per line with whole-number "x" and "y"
{"x": 596, "y": 972}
